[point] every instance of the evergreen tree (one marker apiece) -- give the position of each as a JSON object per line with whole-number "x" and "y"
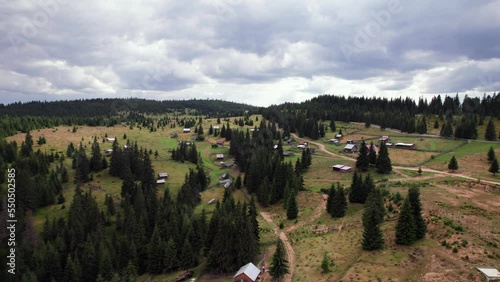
{"x": 372, "y": 235}
{"x": 339, "y": 202}
{"x": 356, "y": 190}
{"x": 383, "y": 163}
{"x": 494, "y": 166}
{"x": 436, "y": 124}
{"x": 325, "y": 263}
{"x": 491, "y": 132}
{"x": 252, "y": 217}
{"x": 329, "y": 201}
{"x": 405, "y": 228}
{"x": 491, "y": 154}
{"x": 332, "y": 125}
{"x": 96, "y": 157}
{"x": 279, "y": 264}
{"x": 72, "y": 271}
{"x": 82, "y": 174}
{"x": 362, "y": 162}
{"x": 264, "y": 193}
{"x": 446, "y": 129}
{"x": 453, "y": 164}
{"x": 372, "y": 155}
{"x": 420, "y": 224}
{"x": 170, "y": 258}
{"x": 292, "y": 209}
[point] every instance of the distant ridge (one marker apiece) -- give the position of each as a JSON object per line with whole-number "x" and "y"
{"x": 109, "y": 106}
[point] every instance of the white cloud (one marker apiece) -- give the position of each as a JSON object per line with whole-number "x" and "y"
{"x": 258, "y": 52}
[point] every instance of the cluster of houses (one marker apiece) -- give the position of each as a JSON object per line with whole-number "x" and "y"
{"x": 352, "y": 146}
{"x": 225, "y": 180}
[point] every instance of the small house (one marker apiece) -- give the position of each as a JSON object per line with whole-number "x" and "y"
{"x": 247, "y": 273}
{"x": 275, "y": 147}
{"x": 405, "y": 145}
{"x": 213, "y": 201}
{"x": 162, "y": 175}
{"x": 337, "y": 167}
{"x": 110, "y": 140}
{"x": 227, "y": 184}
{"x": 338, "y": 136}
{"x": 490, "y": 273}
{"x": 216, "y": 127}
{"x": 219, "y": 156}
{"x": 351, "y": 142}
{"x": 125, "y": 147}
{"x": 384, "y": 138}
{"x": 288, "y": 154}
{"x": 224, "y": 176}
{"x": 350, "y": 148}
{"x": 160, "y": 181}
{"x": 186, "y": 130}
{"x": 220, "y": 143}
{"x": 108, "y": 151}
{"x": 334, "y": 141}
{"x": 341, "y": 168}
{"x": 301, "y": 146}
{"x": 224, "y": 181}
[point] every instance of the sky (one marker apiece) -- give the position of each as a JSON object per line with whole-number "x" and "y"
{"x": 255, "y": 52}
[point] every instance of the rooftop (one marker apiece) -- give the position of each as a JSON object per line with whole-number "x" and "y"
{"x": 250, "y": 270}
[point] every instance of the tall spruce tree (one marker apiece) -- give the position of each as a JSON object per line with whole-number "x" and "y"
{"x": 96, "y": 158}
{"x": 329, "y": 200}
{"x": 372, "y": 155}
{"x": 491, "y": 132}
{"x": 362, "y": 162}
{"x": 491, "y": 154}
{"x": 292, "y": 209}
{"x": 453, "y": 164}
{"x": 339, "y": 202}
{"x": 372, "y": 235}
{"x": 416, "y": 205}
{"x": 494, "y": 167}
{"x": 356, "y": 190}
{"x": 405, "y": 228}
{"x": 279, "y": 264}
{"x": 383, "y": 163}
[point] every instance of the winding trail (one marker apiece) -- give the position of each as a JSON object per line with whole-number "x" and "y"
{"x": 323, "y": 148}
{"x": 284, "y": 237}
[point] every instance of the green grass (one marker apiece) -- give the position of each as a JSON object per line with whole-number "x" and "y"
{"x": 472, "y": 147}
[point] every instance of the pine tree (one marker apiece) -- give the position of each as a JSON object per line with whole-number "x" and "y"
{"x": 325, "y": 263}
{"x": 494, "y": 167}
{"x": 436, "y": 124}
{"x": 252, "y": 217}
{"x": 339, "y": 202}
{"x": 372, "y": 235}
{"x": 491, "y": 154}
{"x": 405, "y": 228}
{"x": 420, "y": 225}
{"x": 279, "y": 264}
{"x": 329, "y": 201}
{"x": 96, "y": 158}
{"x": 356, "y": 190}
{"x": 372, "y": 155}
{"x": 446, "y": 129}
{"x": 383, "y": 163}
{"x": 453, "y": 164}
{"x": 292, "y": 209}
{"x": 362, "y": 161}
{"x": 170, "y": 258}
{"x": 491, "y": 132}
{"x": 332, "y": 125}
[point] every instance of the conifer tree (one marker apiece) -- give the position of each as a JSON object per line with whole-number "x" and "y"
{"x": 453, "y": 164}
{"x": 96, "y": 158}
{"x": 446, "y": 130}
{"x": 436, "y": 124}
{"x": 491, "y": 132}
{"x": 383, "y": 163}
{"x": 372, "y": 235}
{"x": 279, "y": 264}
{"x": 252, "y": 217}
{"x": 362, "y": 162}
{"x": 292, "y": 209}
{"x": 339, "y": 202}
{"x": 325, "y": 263}
{"x": 416, "y": 205}
{"x": 170, "y": 258}
{"x": 264, "y": 193}
{"x": 494, "y": 167}
{"x": 367, "y": 187}
{"x": 188, "y": 257}
{"x": 491, "y": 154}
{"x": 356, "y": 190}
{"x": 332, "y": 125}
{"x": 405, "y": 228}
{"x": 329, "y": 201}
{"x": 372, "y": 155}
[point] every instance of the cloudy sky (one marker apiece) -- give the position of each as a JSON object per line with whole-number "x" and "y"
{"x": 258, "y": 52}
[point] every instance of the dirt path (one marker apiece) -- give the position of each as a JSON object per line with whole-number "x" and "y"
{"x": 283, "y": 234}
{"x": 323, "y": 148}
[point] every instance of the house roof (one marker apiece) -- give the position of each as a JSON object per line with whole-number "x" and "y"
{"x": 489, "y": 272}
{"x": 405, "y": 144}
{"x": 220, "y": 156}
{"x": 160, "y": 181}
{"x": 350, "y": 146}
{"x": 249, "y": 270}
{"x": 339, "y": 166}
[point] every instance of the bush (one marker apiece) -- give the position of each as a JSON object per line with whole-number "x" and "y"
{"x": 455, "y": 250}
